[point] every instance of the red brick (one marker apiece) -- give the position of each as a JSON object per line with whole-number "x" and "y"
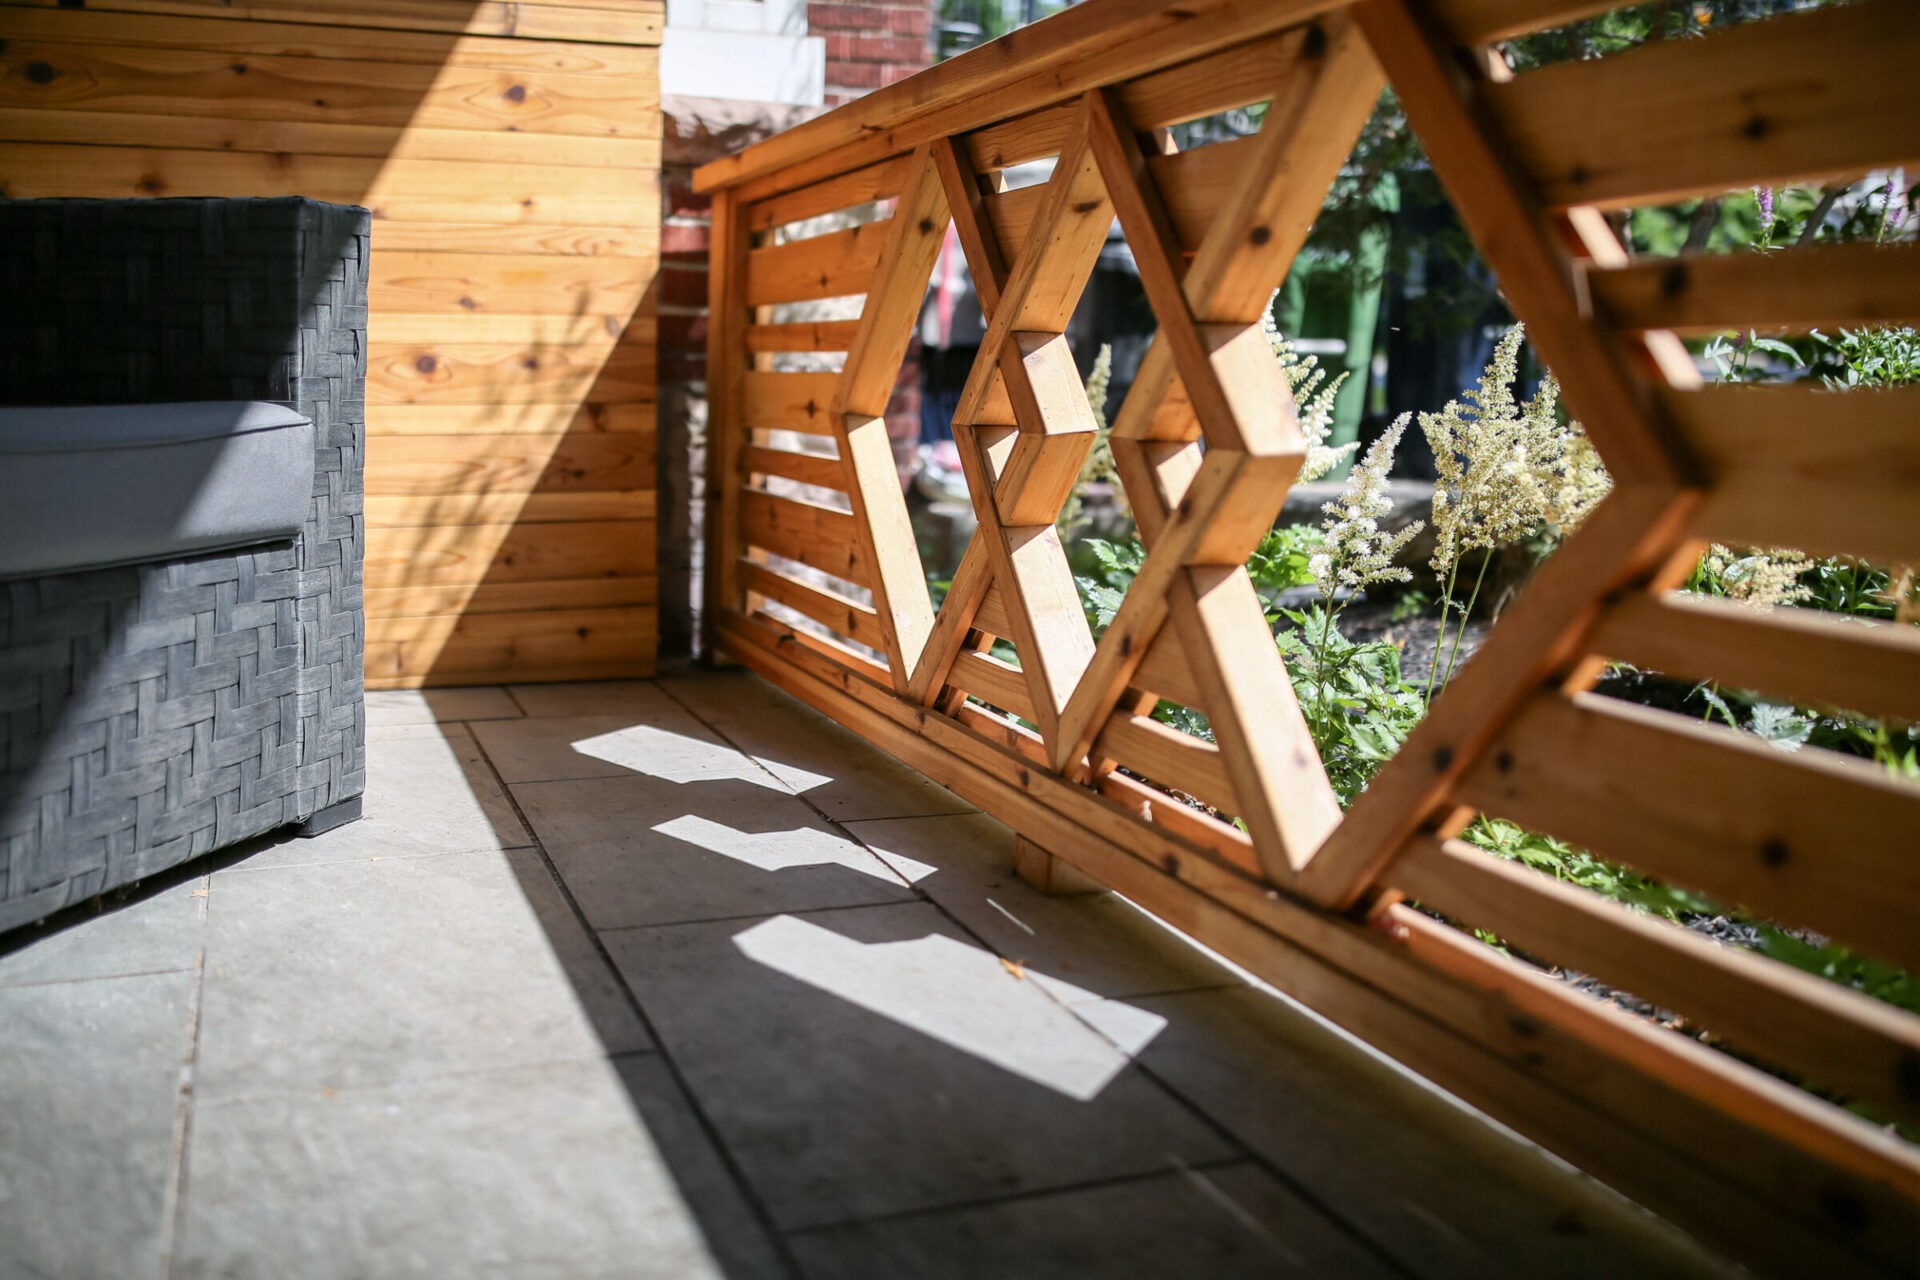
{"x": 684, "y": 287}
{"x": 909, "y": 22}
{"x": 854, "y": 75}
{"x": 678, "y": 238}
{"x": 820, "y": 16}
{"x": 864, "y": 46}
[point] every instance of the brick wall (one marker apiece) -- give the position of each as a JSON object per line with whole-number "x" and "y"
{"x": 870, "y": 45}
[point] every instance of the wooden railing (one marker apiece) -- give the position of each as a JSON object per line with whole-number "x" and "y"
{"x": 816, "y": 583}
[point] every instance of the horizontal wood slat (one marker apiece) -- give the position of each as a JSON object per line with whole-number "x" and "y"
{"x": 1838, "y": 1038}
{"x": 511, "y": 464}
{"x": 560, "y": 594}
{"x": 403, "y": 190}
{"x": 817, "y": 469}
{"x": 405, "y": 511}
{"x": 1165, "y": 671}
{"x": 213, "y": 131}
{"x": 1808, "y": 837}
{"x": 96, "y": 24}
{"x": 506, "y": 375}
{"x": 993, "y": 681}
{"x": 451, "y": 555}
{"x": 490, "y": 419}
{"x": 585, "y": 21}
{"x": 1823, "y": 286}
{"x": 829, "y": 608}
{"x": 466, "y": 284}
{"x": 1800, "y": 466}
{"x": 1812, "y": 658}
{"x": 812, "y": 335}
{"x": 788, "y": 401}
{"x": 818, "y": 537}
{"x": 255, "y": 86}
{"x": 828, "y": 266}
{"x": 1765, "y": 102}
{"x": 488, "y": 648}
{"x": 848, "y": 190}
{"x": 1169, "y": 757}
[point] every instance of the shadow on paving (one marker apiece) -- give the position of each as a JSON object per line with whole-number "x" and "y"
{"x": 859, "y": 1046}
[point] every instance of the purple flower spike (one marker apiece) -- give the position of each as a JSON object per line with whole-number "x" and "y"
{"x": 1765, "y": 196}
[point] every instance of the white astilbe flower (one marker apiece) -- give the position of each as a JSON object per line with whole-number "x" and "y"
{"x": 1759, "y": 579}
{"x": 1311, "y": 399}
{"x": 1358, "y": 552}
{"x": 1099, "y": 464}
{"x": 1507, "y": 469}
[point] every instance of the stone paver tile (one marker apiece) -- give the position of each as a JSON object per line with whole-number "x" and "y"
{"x": 639, "y": 851}
{"x": 89, "y": 1091}
{"x": 593, "y": 698}
{"x": 1438, "y": 1187}
{"x": 724, "y": 697}
{"x": 874, "y": 1061}
{"x": 429, "y": 790}
{"x": 355, "y": 973}
{"x": 1221, "y": 1222}
{"x": 665, "y": 743}
{"x": 734, "y": 1232}
{"x": 542, "y": 1170}
{"x": 847, "y": 778}
{"x": 386, "y": 707}
{"x": 158, "y": 933}
{"x": 1080, "y": 947}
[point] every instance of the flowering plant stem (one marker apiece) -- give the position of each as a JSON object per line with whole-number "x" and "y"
{"x": 1460, "y": 628}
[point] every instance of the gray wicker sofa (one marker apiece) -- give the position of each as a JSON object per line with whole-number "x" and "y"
{"x": 181, "y": 633}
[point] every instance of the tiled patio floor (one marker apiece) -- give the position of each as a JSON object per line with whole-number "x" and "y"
{"x": 676, "y": 979}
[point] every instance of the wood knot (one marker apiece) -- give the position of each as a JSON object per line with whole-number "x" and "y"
{"x": 239, "y": 68}
{"x": 516, "y": 93}
{"x": 1673, "y": 281}
{"x": 1504, "y": 762}
{"x": 1756, "y": 128}
{"x": 426, "y": 364}
{"x": 926, "y": 226}
{"x": 468, "y": 303}
{"x": 38, "y": 72}
{"x": 1171, "y": 862}
{"x": 1774, "y": 852}
{"x": 1442, "y": 759}
{"x": 1315, "y": 45}
{"x": 1260, "y": 235}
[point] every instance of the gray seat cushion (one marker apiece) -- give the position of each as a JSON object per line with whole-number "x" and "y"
{"x": 97, "y": 485}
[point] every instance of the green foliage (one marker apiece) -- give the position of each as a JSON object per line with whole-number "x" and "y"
{"x": 1360, "y": 708}
{"x": 1884, "y": 357}
{"x": 1102, "y": 591}
{"x": 1836, "y": 963}
{"x": 1281, "y": 563}
{"x": 1576, "y": 866}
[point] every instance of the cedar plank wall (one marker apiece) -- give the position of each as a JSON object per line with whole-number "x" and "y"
{"x": 511, "y": 154}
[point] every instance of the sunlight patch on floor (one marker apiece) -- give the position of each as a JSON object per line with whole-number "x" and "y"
{"x": 780, "y": 850}
{"x": 677, "y": 757}
{"x": 959, "y": 995}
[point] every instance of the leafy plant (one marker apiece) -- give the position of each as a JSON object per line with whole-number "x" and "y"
{"x": 1362, "y": 710}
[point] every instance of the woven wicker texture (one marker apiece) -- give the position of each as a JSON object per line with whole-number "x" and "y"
{"x": 154, "y": 713}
